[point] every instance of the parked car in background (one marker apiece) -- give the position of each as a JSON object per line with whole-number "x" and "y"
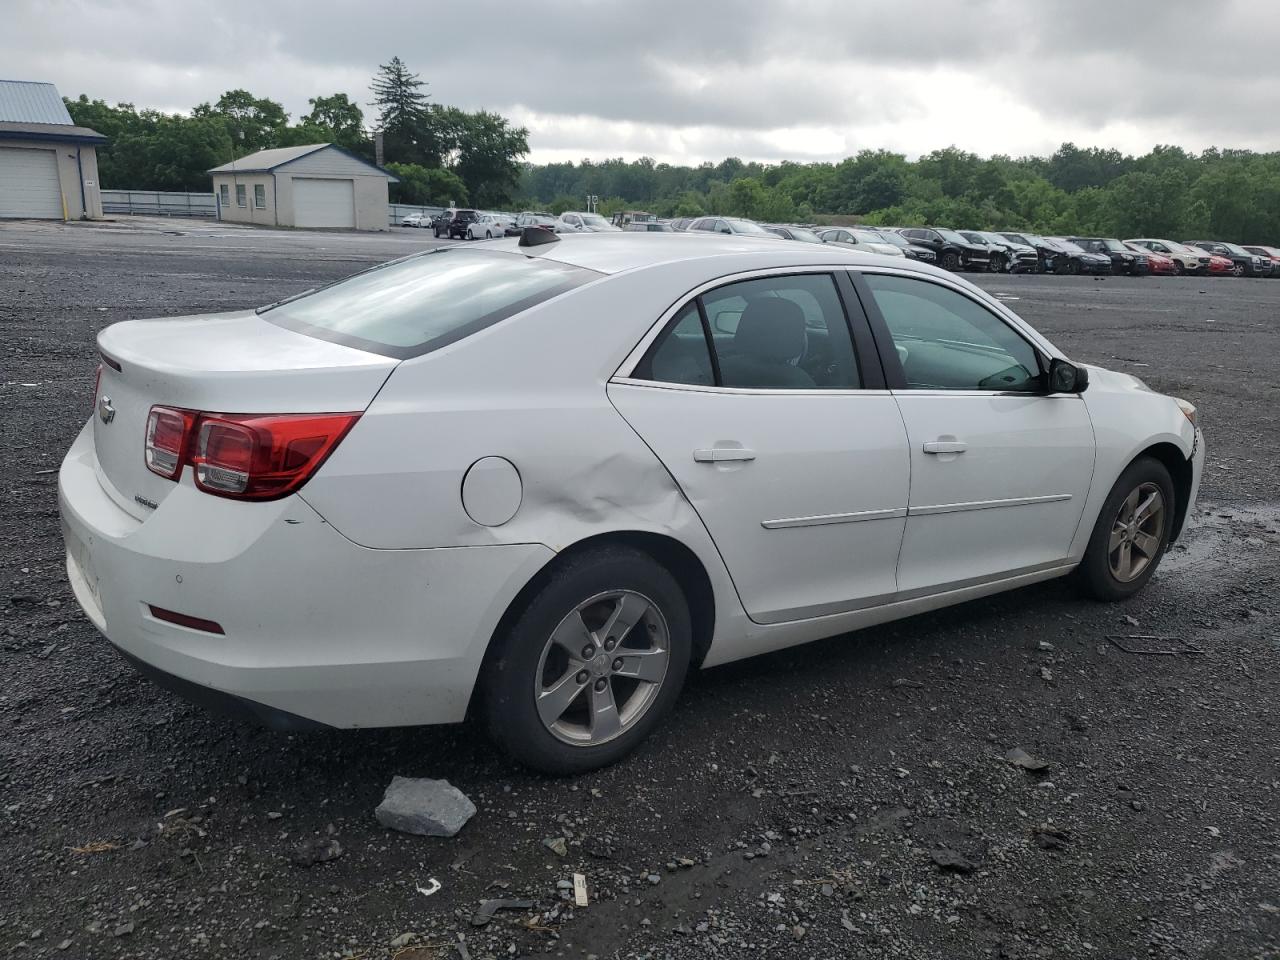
{"x": 1244, "y": 263}
{"x": 1007, "y": 256}
{"x": 1044, "y": 252}
{"x": 415, "y": 220}
{"x": 1123, "y": 259}
{"x": 860, "y": 240}
{"x": 622, "y": 218}
{"x": 485, "y": 226}
{"x": 1271, "y": 253}
{"x": 647, "y": 226}
{"x": 1072, "y": 258}
{"x": 440, "y": 222}
{"x": 455, "y": 227}
{"x": 1159, "y": 263}
{"x": 680, "y": 224}
{"x": 731, "y": 225}
{"x": 788, "y": 232}
{"x": 530, "y": 218}
{"x": 396, "y": 535}
{"x": 574, "y": 221}
{"x": 953, "y": 251}
{"x": 1185, "y": 259}
{"x": 913, "y": 251}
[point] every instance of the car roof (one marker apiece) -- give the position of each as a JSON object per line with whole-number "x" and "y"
{"x": 622, "y": 251}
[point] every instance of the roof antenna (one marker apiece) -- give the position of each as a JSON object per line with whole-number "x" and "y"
{"x": 537, "y": 237}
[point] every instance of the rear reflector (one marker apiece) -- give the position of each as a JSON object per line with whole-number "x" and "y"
{"x": 243, "y": 456}
{"x": 182, "y": 620}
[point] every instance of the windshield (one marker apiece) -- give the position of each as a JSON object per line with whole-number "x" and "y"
{"x": 1115, "y": 245}
{"x": 888, "y": 236}
{"x": 951, "y": 236}
{"x": 748, "y": 226}
{"x": 412, "y": 306}
{"x": 799, "y": 233}
{"x": 594, "y": 220}
{"x": 1238, "y": 250}
{"x": 1069, "y": 247}
{"x": 977, "y": 238}
{"x": 867, "y": 236}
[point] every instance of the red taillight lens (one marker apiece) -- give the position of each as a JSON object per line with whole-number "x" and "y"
{"x": 166, "y": 445}
{"x": 97, "y": 385}
{"x": 244, "y": 457}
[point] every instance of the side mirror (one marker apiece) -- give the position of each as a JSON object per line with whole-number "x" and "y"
{"x": 1066, "y": 377}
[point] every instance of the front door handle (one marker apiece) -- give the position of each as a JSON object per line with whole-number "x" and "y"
{"x": 945, "y": 446}
{"x": 723, "y": 454}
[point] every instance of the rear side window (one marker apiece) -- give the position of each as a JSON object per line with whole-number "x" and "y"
{"x": 772, "y": 333}
{"x": 413, "y": 306}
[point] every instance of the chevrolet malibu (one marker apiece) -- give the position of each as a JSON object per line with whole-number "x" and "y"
{"x": 540, "y": 480}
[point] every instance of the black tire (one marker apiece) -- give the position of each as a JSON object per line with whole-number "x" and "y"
{"x": 1178, "y": 268}
{"x": 1073, "y": 267}
{"x": 1095, "y": 571}
{"x": 996, "y": 264}
{"x": 950, "y": 261}
{"x": 1237, "y": 270}
{"x": 507, "y": 682}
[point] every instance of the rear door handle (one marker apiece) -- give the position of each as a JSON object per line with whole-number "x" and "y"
{"x": 945, "y": 446}
{"x": 722, "y": 454}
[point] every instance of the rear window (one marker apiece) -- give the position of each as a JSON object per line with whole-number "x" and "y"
{"x": 413, "y": 306}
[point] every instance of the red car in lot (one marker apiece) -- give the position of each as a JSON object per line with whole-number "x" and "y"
{"x": 1160, "y": 264}
{"x": 1221, "y": 266}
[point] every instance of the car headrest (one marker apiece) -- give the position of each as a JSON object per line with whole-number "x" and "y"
{"x": 771, "y": 328}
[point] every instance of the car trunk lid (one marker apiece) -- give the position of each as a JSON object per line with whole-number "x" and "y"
{"x": 225, "y": 363}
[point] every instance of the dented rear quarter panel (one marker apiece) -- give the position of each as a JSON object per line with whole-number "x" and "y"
{"x": 532, "y": 390}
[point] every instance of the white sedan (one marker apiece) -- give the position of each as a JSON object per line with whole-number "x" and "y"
{"x": 444, "y": 483}
{"x": 487, "y": 226}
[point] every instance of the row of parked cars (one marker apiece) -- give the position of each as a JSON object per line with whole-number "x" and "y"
{"x": 977, "y": 250}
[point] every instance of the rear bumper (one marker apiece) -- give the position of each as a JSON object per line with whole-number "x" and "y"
{"x": 316, "y": 628}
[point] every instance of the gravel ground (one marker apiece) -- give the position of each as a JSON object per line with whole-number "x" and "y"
{"x": 850, "y": 798}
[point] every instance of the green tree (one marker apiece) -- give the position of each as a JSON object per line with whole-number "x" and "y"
{"x": 252, "y": 123}
{"x": 487, "y": 157}
{"x": 335, "y": 119}
{"x": 403, "y": 115}
{"x": 426, "y": 185}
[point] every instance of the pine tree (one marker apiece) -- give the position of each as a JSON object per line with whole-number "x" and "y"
{"x": 401, "y": 106}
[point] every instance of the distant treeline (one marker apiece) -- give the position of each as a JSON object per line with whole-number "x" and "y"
{"x": 1169, "y": 192}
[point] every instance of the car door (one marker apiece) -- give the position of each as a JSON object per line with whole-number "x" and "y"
{"x": 999, "y": 468}
{"x": 782, "y": 437}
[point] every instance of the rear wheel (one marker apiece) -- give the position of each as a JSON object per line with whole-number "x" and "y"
{"x": 1132, "y": 532}
{"x": 591, "y": 665}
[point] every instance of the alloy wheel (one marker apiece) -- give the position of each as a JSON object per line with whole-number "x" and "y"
{"x": 1137, "y": 533}
{"x": 602, "y": 668}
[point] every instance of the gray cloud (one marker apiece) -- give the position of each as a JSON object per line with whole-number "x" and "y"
{"x": 696, "y": 79}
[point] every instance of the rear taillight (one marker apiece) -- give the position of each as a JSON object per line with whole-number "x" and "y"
{"x": 97, "y": 385}
{"x": 166, "y": 444}
{"x": 243, "y": 456}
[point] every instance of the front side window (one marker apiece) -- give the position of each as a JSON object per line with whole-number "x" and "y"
{"x": 780, "y": 333}
{"x": 945, "y": 341}
{"x": 260, "y": 196}
{"x": 240, "y": 195}
{"x": 409, "y": 307}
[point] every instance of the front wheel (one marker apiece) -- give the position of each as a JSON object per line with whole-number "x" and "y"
{"x": 1237, "y": 270}
{"x": 1132, "y": 532}
{"x": 1073, "y": 267}
{"x": 950, "y": 261}
{"x": 996, "y": 264}
{"x": 591, "y": 665}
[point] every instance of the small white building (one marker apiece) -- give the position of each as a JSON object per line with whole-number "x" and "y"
{"x": 317, "y": 185}
{"x": 48, "y": 165}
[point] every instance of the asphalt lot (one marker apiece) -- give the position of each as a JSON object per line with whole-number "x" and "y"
{"x": 791, "y": 807}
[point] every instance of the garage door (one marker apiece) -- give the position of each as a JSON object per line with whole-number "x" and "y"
{"x": 29, "y": 184}
{"x": 324, "y": 203}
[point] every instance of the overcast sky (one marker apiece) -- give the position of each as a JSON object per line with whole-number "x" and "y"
{"x": 692, "y": 80}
